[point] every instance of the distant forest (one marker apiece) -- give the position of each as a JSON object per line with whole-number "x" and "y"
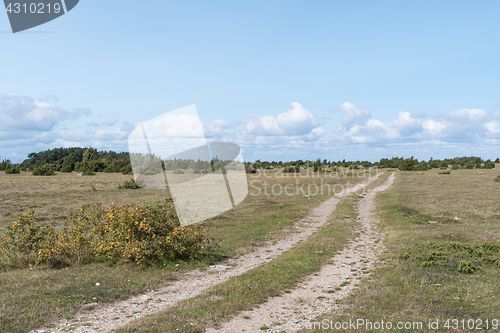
{"x": 90, "y": 160}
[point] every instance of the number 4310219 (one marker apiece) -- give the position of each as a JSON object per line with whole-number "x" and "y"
{"x": 33, "y": 8}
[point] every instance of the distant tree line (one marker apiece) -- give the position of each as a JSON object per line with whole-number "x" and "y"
{"x": 90, "y": 160}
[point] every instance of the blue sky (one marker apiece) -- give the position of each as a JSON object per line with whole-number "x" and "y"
{"x": 283, "y": 79}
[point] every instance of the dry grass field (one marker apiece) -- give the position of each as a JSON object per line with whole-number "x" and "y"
{"x": 34, "y": 298}
{"x": 413, "y": 290}
{"x": 419, "y": 278}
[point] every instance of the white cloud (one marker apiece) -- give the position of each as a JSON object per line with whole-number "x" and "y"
{"x": 216, "y": 128}
{"x": 353, "y": 115}
{"x": 468, "y": 114}
{"x": 23, "y": 113}
{"x": 493, "y": 126}
{"x": 296, "y": 121}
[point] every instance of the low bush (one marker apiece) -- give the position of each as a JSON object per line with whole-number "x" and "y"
{"x": 422, "y": 166}
{"x": 11, "y": 169}
{"x": 488, "y": 165}
{"x": 44, "y": 170}
{"x": 131, "y": 184}
{"x": 67, "y": 168}
{"x": 250, "y": 169}
{"x": 291, "y": 169}
{"x": 469, "y": 165}
{"x": 433, "y": 165}
{"x": 497, "y": 179}
{"x": 456, "y": 256}
{"x": 22, "y": 240}
{"x": 445, "y": 172}
{"x": 142, "y": 234}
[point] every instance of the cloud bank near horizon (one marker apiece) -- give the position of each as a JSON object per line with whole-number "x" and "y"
{"x": 27, "y": 125}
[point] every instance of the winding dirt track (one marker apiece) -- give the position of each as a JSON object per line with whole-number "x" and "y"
{"x": 290, "y": 312}
{"x": 106, "y": 317}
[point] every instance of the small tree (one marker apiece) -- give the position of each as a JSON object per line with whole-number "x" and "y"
{"x": 488, "y": 165}
{"x": 408, "y": 164}
{"x": 4, "y": 164}
{"x": 10, "y": 169}
{"x": 90, "y": 154}
{"x": 68, "y": 164}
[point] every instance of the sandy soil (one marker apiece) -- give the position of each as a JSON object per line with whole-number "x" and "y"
{"x": 105, "y": 317}
{"x": 290, "y": 311}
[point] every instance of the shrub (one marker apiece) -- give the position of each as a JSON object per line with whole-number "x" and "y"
{"x": 408, "y": 164}
{"x": 488, "y": 165}
{"x": 75, "y": 241}
{"x": 68, "y": 164}
{"x": 422, "y": 166}
{"x": 497, "y": 179}
{"x": 67, "y": 168}
{"x": 143, "y": 234}
{"x": 443, "y": 164}
{"x": 291, "y": 169}
{"x": 44, "y": 170}
{"x": 469, "y": 165}
{"x": 457, "y": 256}
{"x": 455, "y": 167}
{"x": 126, "y": 170}
{"x": 497, "y": 160}
{"x": 23, "y": 239}
{"x": 465, "y": 266}
{"x": 11, "y": 169}
{"x": 147, "y": 234}
{"x": 178, "y": 172}
{"x": 433, "y": 165}
{"x": 131, "y": 184}
{"x": 445, "y": 172}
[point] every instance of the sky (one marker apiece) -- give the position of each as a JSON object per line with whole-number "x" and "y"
{"x": 285, "y": 80}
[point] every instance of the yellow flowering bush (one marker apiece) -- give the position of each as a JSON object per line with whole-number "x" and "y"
{"x": 143, "y": 234}
{"x": 22, "y": 240}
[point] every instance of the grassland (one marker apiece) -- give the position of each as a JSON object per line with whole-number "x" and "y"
{"x": 413, "y": 291}
{"x": 33, "y": 298}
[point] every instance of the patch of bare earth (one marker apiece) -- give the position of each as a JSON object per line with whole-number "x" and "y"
{"x": 319, "y": 293}
{"x": 105, "y": 317}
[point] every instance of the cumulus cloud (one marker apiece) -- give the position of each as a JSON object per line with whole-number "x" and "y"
{"x": 296, "y": 121}
{"x": 462, "y": 125}
{"x": 474, "y": 115}
{"x": 353, "y": 115}
{"x": 24, "y": 113}
{"x": 217, "y": 128}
